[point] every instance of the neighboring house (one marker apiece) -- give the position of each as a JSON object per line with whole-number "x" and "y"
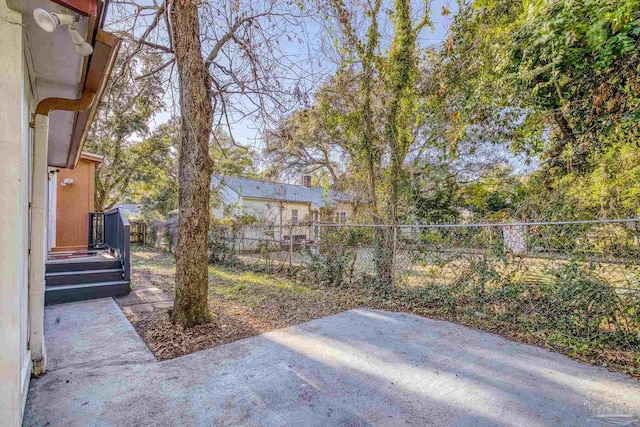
{"x": 132, "y": 210}
{"x": 282, "y": 205}
{"x": 50, "y": 87}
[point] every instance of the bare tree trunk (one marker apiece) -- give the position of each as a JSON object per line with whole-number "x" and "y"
{"x": 99, "y": 200}
{"x": 194, "y": 168}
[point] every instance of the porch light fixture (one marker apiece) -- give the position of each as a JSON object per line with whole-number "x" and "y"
{"x": 81, "y": 47}
{"x": 49, "y": 21}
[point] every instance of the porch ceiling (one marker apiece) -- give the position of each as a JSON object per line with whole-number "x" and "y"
{"x": 57, "y": 69}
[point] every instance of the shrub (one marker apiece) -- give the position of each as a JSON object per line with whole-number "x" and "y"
{"x": 333, "y": 263}
{"x": 164, "y": 234}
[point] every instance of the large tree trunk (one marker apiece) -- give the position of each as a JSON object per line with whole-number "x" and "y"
{"x": 194, "y": 168}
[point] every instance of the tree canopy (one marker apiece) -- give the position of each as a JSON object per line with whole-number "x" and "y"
{"x": 121, "y": 130}
{"x": 528, "y": 110}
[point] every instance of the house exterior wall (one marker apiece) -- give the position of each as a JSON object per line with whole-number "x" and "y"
{"x": 15, "y": 146}
{"x": 52, "y": 201}
{"x": 73, "y": 204}
{"x": 345, "y": 207}
{"x": 265, "y": 210}
{"x": 275, "y": 215}
{"x": 276, "y": 212}
{"x": 229, "y": 199}
{"x": 304, "y": 212}
{"x": 304, "y": 216}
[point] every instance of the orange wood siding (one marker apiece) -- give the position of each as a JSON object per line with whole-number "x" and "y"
{"x": 74, "y": 203}
{"x": 85, "y": 7}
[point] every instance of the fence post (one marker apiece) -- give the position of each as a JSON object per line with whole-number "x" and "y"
{"x": 394, "y": 255}
{"x": 290, "y": 247}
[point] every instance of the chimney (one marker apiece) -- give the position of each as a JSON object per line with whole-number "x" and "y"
{"x": 306, "y": 180}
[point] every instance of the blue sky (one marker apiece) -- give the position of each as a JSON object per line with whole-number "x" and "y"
{"x": 304, "y": 46}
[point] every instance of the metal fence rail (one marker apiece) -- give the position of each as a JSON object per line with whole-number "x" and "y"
{"x": 574, "y": 281}
{"x": 442, "y": 253}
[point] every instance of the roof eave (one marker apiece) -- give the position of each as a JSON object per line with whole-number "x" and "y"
{"x": 106, "y": 47}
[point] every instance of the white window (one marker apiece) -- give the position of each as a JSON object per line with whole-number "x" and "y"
{"x": 294, "y": 216}
{"x": 342, "y": 217}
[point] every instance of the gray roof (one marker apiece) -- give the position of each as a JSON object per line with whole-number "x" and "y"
{"x": 254, "y": 188}
{"x": 130, "y": 208}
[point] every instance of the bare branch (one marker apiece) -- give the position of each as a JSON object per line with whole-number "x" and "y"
{"x": 156, "y": 70}
{"x": 229, "y": 35}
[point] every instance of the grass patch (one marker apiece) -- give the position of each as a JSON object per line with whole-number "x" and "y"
{"x": 242, "y": 303}
{"x": 246, "y": 303}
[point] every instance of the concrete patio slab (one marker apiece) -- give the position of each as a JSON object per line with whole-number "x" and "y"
{"x": 357, "y": 368}
{"x": 90, "y": 333}
{"x": 143, "y": 300}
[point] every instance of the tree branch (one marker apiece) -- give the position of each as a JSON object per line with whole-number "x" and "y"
{"x": 229, "y": 35}
{"x": 156, "y": 70}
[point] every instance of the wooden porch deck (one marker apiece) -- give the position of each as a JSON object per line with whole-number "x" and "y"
{"x": 85, "y": 274}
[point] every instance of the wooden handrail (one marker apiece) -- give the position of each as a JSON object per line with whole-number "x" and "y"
{"x": 116, "y": 235}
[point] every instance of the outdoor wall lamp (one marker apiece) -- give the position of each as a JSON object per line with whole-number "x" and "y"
{"x": 81, "y": 47}
{"x": 50, "y": 21}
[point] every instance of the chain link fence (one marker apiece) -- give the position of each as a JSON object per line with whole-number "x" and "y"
{"x": 441, "y": 254}
{"x": 575, "y": 279}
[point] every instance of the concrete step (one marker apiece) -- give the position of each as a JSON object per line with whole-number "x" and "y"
{"x": 84, "y": 291}
{"x": 84, "y": 276}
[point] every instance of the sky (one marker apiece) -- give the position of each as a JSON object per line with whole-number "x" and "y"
{"x": 304, "y": 46}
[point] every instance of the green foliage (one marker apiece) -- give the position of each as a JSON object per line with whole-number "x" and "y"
{"x": 120, "y": 131}
{"x": 577, "y": 307}
{"x": 163, "y": 234}
{"x": 496, "y": 191}
{"x": 432, "y": 195}
{"x": 584, "y": 306}
{"x": 557, "y": 81}
{"x": 154, "y": 184}
{"x": 400, "y": 77}
{"x": 223, "y": 236}
{"x": 333, "y": 262}
{"x": 231, "y": 159}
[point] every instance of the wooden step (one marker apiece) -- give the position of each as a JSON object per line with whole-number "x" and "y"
{"x": 84, "y": 276}
{"x": 85, "y": 291}
{"x": 83, "y": 264}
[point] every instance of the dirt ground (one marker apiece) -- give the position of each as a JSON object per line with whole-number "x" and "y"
{"x": 245, "y": 304}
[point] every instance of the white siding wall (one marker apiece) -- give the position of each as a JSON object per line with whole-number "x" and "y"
{"x": 262, "y": 209}
{"x": 14, "y": 187}
{"x": 271, "y": 212}
{"x": 304, "y": 216}
{"x": 304, "y": 213}
{"x": 229, "y": 198}
{"x": 51, "y": 208}
{"x": 28, "y": 108}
